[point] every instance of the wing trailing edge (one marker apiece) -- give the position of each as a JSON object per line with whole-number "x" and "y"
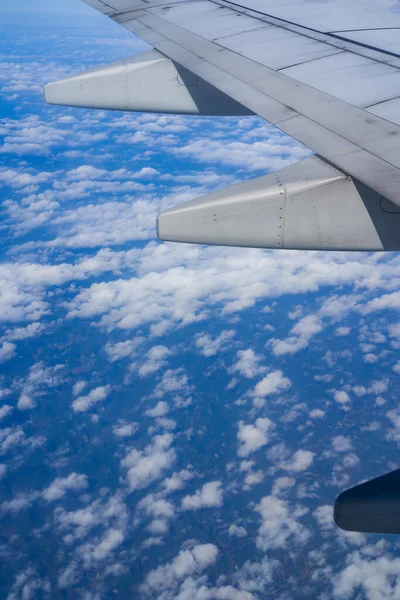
{"x": 147, "y": 82}
{"x": 309, "y": 205}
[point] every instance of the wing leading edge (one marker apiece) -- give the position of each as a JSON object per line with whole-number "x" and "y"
{"x": 351, "y": 203}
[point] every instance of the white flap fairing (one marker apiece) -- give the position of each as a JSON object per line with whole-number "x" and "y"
{"x": 309, "y": 205}
{"x": 148, "y": 82}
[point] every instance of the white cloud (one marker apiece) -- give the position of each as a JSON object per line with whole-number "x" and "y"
{"x": 39, "y": 379}
{"x": 30, "y": 136}
{"x": 156, "y": 358}
{"x": 23, "y": 333}
{"x": 317, "y": 413}
{"x": 273, "y": 153}
{"x": 5, "y": 410}
{"x": 341, "y": 397}
{"x": 158, "y": 527}
{"x": 85, "y": 172}
{"x": 342, "y": 331}
{"x": 290, "y": 345}
{"x": 209, "y": 346}
{"x": 7, "y": 351}
{"x": 28, "y": 585}
{"x": 209, "y": 496}
{"x": 78, "y": 388}
{"x": 18, "y": 503}
{"x": 148, "y": 465}
{"x": 123, "y": 349}
{"x": 177, "y": 284}
{"x": 324, "y": 516}
{"x": 105, "y": 223}
{"x": 337, "y": 307}
{"x": 281, "y": 484}
{"x": 157, "y": 507}
{"x": 375, "y": 387}
{"x": 341, "y": 443}
{"x": 252, "y": 478}
{"x": 293, "y": 413}
{"x": 172, "y": 381}
{"x": 300, "y": 461}
{"x": 159, "y": 510}
{"x": 124, "y": 429}
{"x": 253, "y": 437}
{"x": 177, "y": 481}
{"x": 370, "y": 358}
{"x": 25, "y": 402}
{"x": 391, "y": 301}
{"x": 280, "y": 524}
{"x": 237, "y": 531}
{"x": 376, "y": 579}
{"x": 378, "y": 387}
{"x": 273, "y": 383}
{"x": 307, "y": 326}
{"x": 350, "y": 460}
{"x": 255, "y": 577}
{"x": 301, "y": 333}
{"x": 187, "y": 563}
{"x": 14, "y": 436}
{"x": 248, "y": 364}
{"x": 20, "y": 179}
{"x": 91, "y": 553}
{"x": 109, "y": 512}
{"x": 24, "y": 285}
{"x": 111, "y": 540}
{"x": 84, "y": 403}
{"x": 394, "y": 416}
{"x": 162, "y": 423}
{"x": 61, "y": 485}
{"x": 161, "y": 409}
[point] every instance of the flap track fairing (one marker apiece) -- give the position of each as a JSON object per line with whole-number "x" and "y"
{"x": 147, "y": 82}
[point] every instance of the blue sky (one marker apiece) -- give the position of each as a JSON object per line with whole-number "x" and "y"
{"x": 175, "y": 421}
{"x": 73, "y": 7}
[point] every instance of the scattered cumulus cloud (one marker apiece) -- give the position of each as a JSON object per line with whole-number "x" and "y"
{"x": 300, "y": 461}
{"x": 253, "y": 437}
{"x": 78, "y": 387}
{"x": 155, "y": 360}
{"x": 148, "y": 465}
{"x": 209, "y": 346}
{"x": 341, "y": 443}
{"x": 7, "y": 351}
{"x": 237, "y": 531}
{"x": 280, "y": 524}
{"x": 317, "y": 413}
{"x": 125, "y": 429}
{"x": 85, "y": 403}
{"x": 301, "y": 333}
{"x": 5, "y": 410}
{"x": 248, "y": 364}
{"x": 177, "y": 481}
{"x": 209, "y": 496}
{"x": 160, "y": 410}
{"x": 61, "y": 485}
{"x": 341, "y": 397}
{"x": 186, "y": 564}
{"x": 273, "y": 383}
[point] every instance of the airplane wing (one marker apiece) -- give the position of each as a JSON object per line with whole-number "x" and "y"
{"x": 327, "y": 74}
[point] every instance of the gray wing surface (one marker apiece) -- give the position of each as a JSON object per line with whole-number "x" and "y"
{"x": 327, "y": 74}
